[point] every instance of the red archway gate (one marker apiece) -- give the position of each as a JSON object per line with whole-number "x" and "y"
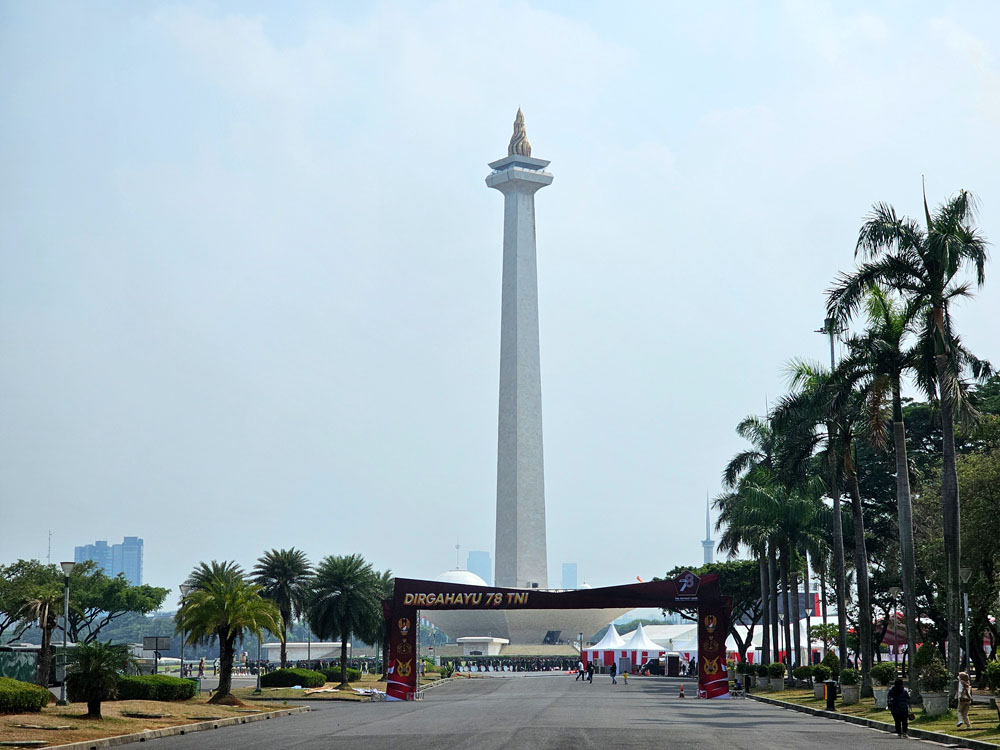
{"x": 687, "y": 591}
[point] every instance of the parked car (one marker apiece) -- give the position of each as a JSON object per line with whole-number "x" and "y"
{"x": 655, "y": 666}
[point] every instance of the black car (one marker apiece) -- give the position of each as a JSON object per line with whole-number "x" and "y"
{"x": 655, "y": 666}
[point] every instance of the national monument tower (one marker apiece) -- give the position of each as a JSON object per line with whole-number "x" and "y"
{"x": 520, "y": 547}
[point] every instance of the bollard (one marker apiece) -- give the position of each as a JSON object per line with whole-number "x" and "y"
{"x": 830, "y": 691}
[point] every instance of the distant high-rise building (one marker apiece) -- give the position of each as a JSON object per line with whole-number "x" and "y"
{"x": 707, "y": 544}
{"x": 569, "y": 576}
{"x": 124, "y": 558}
{"x": 479, "y": 562}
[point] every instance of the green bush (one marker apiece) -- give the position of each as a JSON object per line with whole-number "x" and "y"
{"x": 19, "y": 697}
{"x": 822, "y": 673}
{"x": 926, "y": 654}
{"x": 307, "y": 678}
{"x": 849, "y": 677}
{"x": 832, "y": 662}
{"x": 993, "y": 675}
{"x": 934, "y": 677}
{"x": 776, "y": 669}
{"x": 333, "y": 675}
{"x": 760, "y": 670}
{"x": 884, "y": 673}
{"x": 745, "y": 668}
{"x": 155, "y": 687}
{"x": 802, "y": 673}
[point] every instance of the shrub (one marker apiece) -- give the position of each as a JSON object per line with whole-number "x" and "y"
{"x": 926, "y": 654}
{"x": 333, "y": 675}
{"x": 884, "y": 673}
{"x": 760, "y": 670}
{"x": 776, "y": 669}
{"x": 802, "y": 673}
{"x": 832, "y": 662}
{"x": 292, "y": 677}
{"x": 934, "y": 677}
{"x": 19, "y": 697}
{"x": 155, "y": 687}
{"x": 849, "y": 677}
{"x": 822, "y": 673}
{"x": 745, "y": 668}
{"x": 993, "y": 675}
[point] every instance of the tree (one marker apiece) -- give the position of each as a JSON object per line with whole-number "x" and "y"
{"x": 923, "y": 265}
{"x": 17, "y": 583}
{"x": 223, "y": 605}
{"x": 385, "y": 584}
{"x": 738, "y": 579}
{"x": 95, "y": 600}
{"x": 92, "y": 675}
{"x": 344, "y": 600}
{"x": 283, "y": 577}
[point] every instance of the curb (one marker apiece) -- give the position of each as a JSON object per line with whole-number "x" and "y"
{"x": 920, "y": 734}
{"x": 201, "y": 726}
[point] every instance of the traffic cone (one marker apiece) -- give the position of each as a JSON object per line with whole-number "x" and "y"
{"x": 681, "y": 693}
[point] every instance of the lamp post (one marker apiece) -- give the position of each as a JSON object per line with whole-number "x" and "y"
{"x": 67, "y": 568}
{"x": 894, "y": 592}
{"x": 185, "y": 590}
{"x": 781, "y": 636}
{"x": 257, "y": 689}
{"x": 809, "y": 643}
{"x": 966, "y": 574}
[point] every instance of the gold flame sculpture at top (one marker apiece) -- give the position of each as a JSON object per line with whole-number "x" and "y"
{"x": 519, "y": 145}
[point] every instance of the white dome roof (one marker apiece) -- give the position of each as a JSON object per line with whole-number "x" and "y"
{"x": 464, "y": 577}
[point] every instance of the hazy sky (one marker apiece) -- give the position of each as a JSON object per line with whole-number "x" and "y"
{"x": 250, "y": 285}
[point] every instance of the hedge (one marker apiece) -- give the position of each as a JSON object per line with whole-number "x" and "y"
{"x": 884, "y": 673}
{"x": 19, "y": 697}
{"x": 333, "y": 675}
{"x": 292, "y": 677}
{"x": 155, "y": 687}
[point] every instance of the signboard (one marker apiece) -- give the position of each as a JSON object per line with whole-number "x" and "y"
{"x": 155, "y": 643}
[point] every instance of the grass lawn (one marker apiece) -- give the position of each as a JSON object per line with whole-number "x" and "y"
{"x": 985, "y": 725}
{"x": 61, "y": 724}
{"x": 331, "y": 691}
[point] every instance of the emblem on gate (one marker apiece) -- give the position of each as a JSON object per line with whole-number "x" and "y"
{"x": 404, "y": 626}
{"x": 711, "y": 621}
{"x": 687, "y": 583}
{"x": 711, "y": 665}
{"x": 404, "y": 648}
{"x": 404, "y": 667}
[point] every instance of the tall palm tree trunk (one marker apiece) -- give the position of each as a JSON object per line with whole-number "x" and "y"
{"x": 284, "y": 639}
{"x": 950, "y": 511}
{"x": 772, "y": 575}
{"x": 796, "y": 634}
{"x": 765, "y": 643}
{"x": 861, "y": 566}
{"x": 785, "y": 606}
{"x": 343, "y": 659}
{"x": 227, "y": 648}
{"x": 905, "y": 513}
{"x": 45, "y": 654}
{"x": 805, "y": 588}
{"x": 839, "y": 565}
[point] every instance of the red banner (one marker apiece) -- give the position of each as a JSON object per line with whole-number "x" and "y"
{"x": 713, "y": 627}
{"x": 403, "y": 659}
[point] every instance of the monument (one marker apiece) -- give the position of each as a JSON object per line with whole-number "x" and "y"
{"x": 521, "y": 560}
{"x": 707, "y": 545}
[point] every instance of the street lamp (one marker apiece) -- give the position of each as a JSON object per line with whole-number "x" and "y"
{"x": 67, "y": 568}
{"x": 257, "y": 689}
{"x": 809, "y": 642}
{"x": 966, "y": 574}
{"x": 781, "y": 636}
{"x": 894, "y": 592}
{"x": 185, "y": 590}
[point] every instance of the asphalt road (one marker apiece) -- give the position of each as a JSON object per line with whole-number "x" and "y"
{"x": 542, "y": 712}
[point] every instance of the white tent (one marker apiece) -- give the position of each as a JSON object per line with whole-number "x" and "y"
{"x": 603, "y": 652}
{"x": 639, "y": 648}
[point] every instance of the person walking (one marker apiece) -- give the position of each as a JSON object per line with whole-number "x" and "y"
{"x": 579, "y": 671}
{"x": 964, "y": 696}
{"x": 201, "y": 667}
{"x": 898, "y": 703}
{"x": 590, "y": 673}
{"x": 613, "y": 671}
{"x": 625, "y": 675}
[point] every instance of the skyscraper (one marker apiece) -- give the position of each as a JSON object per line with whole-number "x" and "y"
{"x": 569, "y": 577}
{"x": 124, "y": 558}
{"x": 520, "y": 529}
{"x": 478, "y": 562}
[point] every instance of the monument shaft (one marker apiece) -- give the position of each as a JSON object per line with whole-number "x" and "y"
{"x": 520, "y": 529}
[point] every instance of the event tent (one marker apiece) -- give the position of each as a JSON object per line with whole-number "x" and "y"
{"x": 639, "y": 648}
{"x": 603, "y": 652}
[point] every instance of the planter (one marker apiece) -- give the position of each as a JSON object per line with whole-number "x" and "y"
{"x": 777, "y": 684}
{"x": 881, "y": 696}
{"x": 935, "y": 704}
{"x": 762, "y": 682}
{"x": 850, "y": 694}
{"x": 818, "y": 691}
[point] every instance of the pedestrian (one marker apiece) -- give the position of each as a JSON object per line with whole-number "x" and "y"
{"x": 898, "y": 703}
{"x": 201, "y": 668}
{"x": 964, "y": 696}
{"x": 590, "y": 673}
{"x": 625, "y": 675}
{"x": 613, "y": 671}
{"x": 579, "y": 670}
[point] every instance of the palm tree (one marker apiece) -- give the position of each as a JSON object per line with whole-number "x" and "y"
{"x": 42, "y": 606}
{"x": 345, "y": 600}
{"x": 385, "y": 584}
{"x": 224, "y": 605}
{"x": 283, "y": 577}
{"x": 92, "y": 675}
{"x": 922, "y": 264}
